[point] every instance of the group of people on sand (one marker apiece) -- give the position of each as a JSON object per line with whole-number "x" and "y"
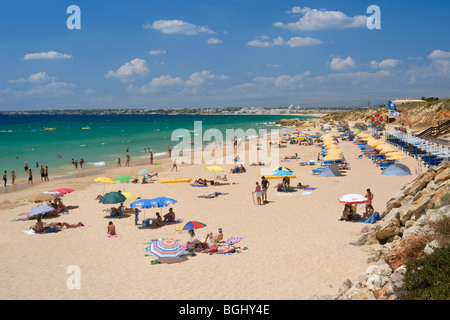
{"x": 40, "y": 227}
{"x": 213, "y": 244}
{"x": 238, "y": 169}
{"x": 349, "y": 212}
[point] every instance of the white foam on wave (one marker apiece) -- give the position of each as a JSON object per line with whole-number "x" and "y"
{"x": 97, "y": 164}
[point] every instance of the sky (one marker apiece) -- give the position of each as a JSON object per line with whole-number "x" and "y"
{"x": 221, "y": 53}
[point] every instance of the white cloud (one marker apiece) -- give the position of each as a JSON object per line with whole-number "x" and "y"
{"x": 441, "y": 61}
{"x": 35, "y": 77}
{"x": 50, "y": 55}
{"x": 385, "y": 64}
{"x": 214, "y": 41}
{"x": 134, "y": 67}
{"x": 338, "y": 64}
{"x": 178, "y": 27}
{"x": 314, "y": 19}
{"x": 264, "y": 41}
{"x": 157, "y": 52}
{"x": 167, "y": 82}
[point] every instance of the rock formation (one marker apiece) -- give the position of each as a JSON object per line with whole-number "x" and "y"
{"x": 407, "y": 230}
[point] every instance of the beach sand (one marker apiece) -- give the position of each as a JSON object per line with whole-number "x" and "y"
{"x": 297, "y": 247}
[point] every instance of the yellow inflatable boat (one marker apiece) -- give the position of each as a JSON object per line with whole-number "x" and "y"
{"x": 175, "y": 180}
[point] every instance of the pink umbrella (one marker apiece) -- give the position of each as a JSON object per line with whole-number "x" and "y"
{"x": 64, "y": 190}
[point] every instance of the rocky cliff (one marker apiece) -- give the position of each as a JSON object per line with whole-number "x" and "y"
{"x": 410, "y": 227}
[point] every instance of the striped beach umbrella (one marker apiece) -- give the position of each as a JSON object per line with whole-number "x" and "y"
{"x": 191, "y": 226}
{"x": 282, "y": 168}
{"x": 353, "y": 199}
{"x": 40, "y": 210}
{"x": 144, "y": 171}
{"x": 166, "y": 248}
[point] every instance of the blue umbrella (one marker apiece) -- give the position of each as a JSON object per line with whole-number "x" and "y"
{"x": 144, "y": 171}
{"x": 40, "y": 210}
{"x": 282, "y": 173}
{"x": 162, "y": 202}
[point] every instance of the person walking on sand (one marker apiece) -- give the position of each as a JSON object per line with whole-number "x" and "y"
{"x": 170, "y": 151}
{"x": 127, "y": 164}
{"x": 46, "y": 174}
{"x": 42, "y": 173}
{"x": 30, "y": 177}
{"x": 13, "y": 177}
{"x": 4, "y": 178}
{"x": 151, "y": 157}
{"x": 369, "y": 196}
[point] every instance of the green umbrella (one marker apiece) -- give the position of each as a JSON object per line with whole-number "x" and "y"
{"x": 113, "y": 197}
{"x": 123, "y": 179}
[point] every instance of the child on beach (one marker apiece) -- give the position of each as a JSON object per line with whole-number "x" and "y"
{"x": 258, "y": 193}
{"x": 136, "y": 216}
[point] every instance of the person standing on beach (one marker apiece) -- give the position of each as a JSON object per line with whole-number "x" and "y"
{"x": 151, "y": 157}
{"x": 174, "y": 165}
{"x": 258, "y": 193}
{"x": 13, "y": 177}
{"x": 81, "y": 163}
{"x": 30, "y": 177}
{"x": 118, "y": 162}
{"x": 42, "y": 173}
{"x": 4, "y": 178}
{"x": 46, "y": 174}
{"x": 265, "y": 185}
{"x": 369, "y": 196}
{"x": 127, "y": 164}
{"x": 170, "y": 151}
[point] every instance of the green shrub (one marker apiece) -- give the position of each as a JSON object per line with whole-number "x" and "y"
{"x": 428, "y": 278}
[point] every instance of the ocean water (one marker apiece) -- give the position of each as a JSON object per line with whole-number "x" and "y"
{"x": 23, "y": 138}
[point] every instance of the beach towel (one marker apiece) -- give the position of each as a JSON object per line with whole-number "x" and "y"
{"x": 373, "y": 218}
{"x": 286, "y": 194}
{"x": 308, "y": 188}
{"x": 197, "y": 185}
{"x": 118, "y": 235}
{"x": 31, "y": 231}
{"x": 233, "y": 240}
{"x": 306, "y": 193}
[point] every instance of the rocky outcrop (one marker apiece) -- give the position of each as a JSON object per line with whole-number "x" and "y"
{"x": 407, "y": 230}
{"x": 289, "y": 122}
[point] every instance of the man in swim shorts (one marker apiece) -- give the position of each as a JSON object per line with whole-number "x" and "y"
{"x": 265, "y": 185}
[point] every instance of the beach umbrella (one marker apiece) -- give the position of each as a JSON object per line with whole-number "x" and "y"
{"x": 64, "y": 190}
{"x": 332, "y": 157}
{"x": 123, "y": 179}
{"x": 166, "y": 248}
{"x": 54, "y": 193}
{"x": 396, "y": 157}
{"x": 40, "y": 210}
{"x": 282, "y": 168}
{"x": 113, "y": 197}
{"x": 130, "y": 196}
{"x": 396, "y": 170}
{"x": 353, "y": 198}
{"x": 41, "y": 197}
{"x": 144, "y": 171}
{"x": 190, "y": 226}
{"x": 160, "y": 202}
{"x": 330, "y": 171}
{"x": 103, "y": 180}
{"x": 282, "y": 173}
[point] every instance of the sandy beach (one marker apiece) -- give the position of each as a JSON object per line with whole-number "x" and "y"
{"x": 297, "y": 247}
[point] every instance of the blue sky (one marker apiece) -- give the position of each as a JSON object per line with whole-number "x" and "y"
{"x": 214, "y": 53}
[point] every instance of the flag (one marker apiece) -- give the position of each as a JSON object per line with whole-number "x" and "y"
{"x": 393, "y": 113}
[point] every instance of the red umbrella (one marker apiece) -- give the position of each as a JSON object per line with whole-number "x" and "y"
{"x": 64, "y": 190}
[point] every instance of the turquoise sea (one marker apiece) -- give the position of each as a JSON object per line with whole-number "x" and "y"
{"x": 108, "y": 137}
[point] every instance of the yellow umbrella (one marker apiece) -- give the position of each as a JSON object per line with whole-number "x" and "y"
{"x": 332, "y": 157}
{"x": 104, "y": 180}
{"x": 394, "y": 153}
{"x": 374, "y": 143}
{"x": 396, "y": 157}
{"x": 386, "y": 151}
{"x": 130, "y": 196}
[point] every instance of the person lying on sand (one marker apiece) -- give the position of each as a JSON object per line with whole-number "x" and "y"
{"x": 58, "y": 226}
{"x": 219, "y": 249}
{"x": 300, "y": 186}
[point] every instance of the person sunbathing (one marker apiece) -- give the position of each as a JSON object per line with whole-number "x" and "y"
{"x": 170, "y": 216}
{"x": 300, "y": 186}
{"x": 111, "y": 230}
{"x": 220, "y": 249}
{"x": 157, "y": 222}
{"x": 39, "y": 226}
{"x": 347, "y": 214}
